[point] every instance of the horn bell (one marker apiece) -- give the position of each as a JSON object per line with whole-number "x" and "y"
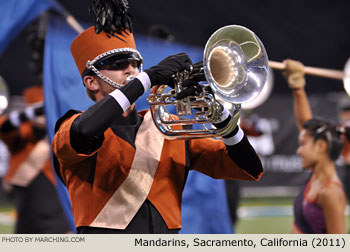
{"x": 235, "y": 64}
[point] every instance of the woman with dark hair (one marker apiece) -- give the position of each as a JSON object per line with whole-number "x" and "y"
{"x": 320, "y": 205}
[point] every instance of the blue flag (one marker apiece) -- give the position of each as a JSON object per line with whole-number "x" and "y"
{"x": 204, "y": 206}
{"x": 64, "y": 90}
{"x": 16, "y": 15}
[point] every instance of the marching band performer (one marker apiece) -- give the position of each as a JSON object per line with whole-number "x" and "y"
{"x": 122, "y": 175}
{"x": 31, "y": 176}
{"x": 319, "y": 208}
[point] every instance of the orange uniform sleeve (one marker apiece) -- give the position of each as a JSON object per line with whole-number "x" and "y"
{"x": 213, "y": 158}
{"x": 61, "y": 144}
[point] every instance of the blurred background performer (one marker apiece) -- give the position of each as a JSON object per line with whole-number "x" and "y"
{"x": 320, "y": 205}
{"x": 30, "y": 176}
{"x": 344, "y": 120}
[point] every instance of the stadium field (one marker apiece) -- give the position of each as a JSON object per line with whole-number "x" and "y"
{"x": 261, "y": 215}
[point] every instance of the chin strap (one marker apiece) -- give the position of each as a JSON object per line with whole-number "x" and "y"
{"x": 105, "y": 78}
{"x": 90, "y": 64}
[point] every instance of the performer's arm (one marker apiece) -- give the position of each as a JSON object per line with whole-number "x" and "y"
{"x": 239, "y": 149}
{"x": 294, "y": 74}
{"x": 87, "y": 129}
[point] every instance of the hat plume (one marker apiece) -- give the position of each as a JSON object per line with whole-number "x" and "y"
{"x": 111, "y": 16}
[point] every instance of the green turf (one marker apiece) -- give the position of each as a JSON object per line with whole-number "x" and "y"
{"x": 264, "y": 225}
{"x": 6, "y": 207}
{"x": 267, "y": 201}
{"x": 4, "y": 229}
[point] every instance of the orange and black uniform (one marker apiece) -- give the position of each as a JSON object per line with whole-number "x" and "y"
{"x": 99, "y": 153}
{"x": 31, "y": 176}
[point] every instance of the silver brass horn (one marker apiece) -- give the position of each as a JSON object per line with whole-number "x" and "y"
{"x": 235, "y": 65}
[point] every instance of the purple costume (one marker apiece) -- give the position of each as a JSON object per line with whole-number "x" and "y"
{"x": 308, "y": 216}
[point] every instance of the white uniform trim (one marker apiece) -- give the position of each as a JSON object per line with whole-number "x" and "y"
{"x": 234, "y": 139}
{"x": 14, "y": 118}
{"x": 29, "y": 111}
{"x": 145, "y": 80}
{"x": 120, "y": 97}
{"x": 224, "y": 115}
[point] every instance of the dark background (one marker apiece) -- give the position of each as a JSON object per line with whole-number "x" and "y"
{"x": 316, "y": 32}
